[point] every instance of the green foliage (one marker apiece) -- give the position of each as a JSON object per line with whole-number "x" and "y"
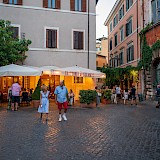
{"x": 36, "y": 93}
{"x": 144, "y": 30}
{"x": 107, "y": 94}
{"x": 146, "y": 59}
{"x": 11, "y": 49}
{"x": 115, "y": 75}
{"x": 87, "y": 96}
{"x": 156, "y": 45}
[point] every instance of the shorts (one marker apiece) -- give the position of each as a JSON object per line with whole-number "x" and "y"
{"x": 64, "y": 104}
{"x": 133, "y": 97}
{"x": 15, "y": 99}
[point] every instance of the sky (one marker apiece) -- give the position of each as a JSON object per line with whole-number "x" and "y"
{"x": 103, "y": 9}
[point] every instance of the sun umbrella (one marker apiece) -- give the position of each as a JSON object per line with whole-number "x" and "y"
{"x": 17, "y": 70}
{"x": 79, "y": 72}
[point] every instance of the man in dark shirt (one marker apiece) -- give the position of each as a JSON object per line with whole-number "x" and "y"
{"x": 133, "y": 95}
{"x": 158, "y": 95}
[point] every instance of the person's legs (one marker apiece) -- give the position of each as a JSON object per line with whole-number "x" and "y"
{"x": 60, "y": 108}
{"x": 41, "y": 116}
{"x": 65, "y": 105}
{"x": 71, "y": 101}
{"x": 13, "y": 101}
{"x": 46, "y": 116}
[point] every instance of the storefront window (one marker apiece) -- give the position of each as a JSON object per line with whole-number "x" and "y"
{"x": 78, "y": 79}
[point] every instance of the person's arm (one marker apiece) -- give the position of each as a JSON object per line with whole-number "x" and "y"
{"x": 55, "y": 93}
{"x": 40, "y": 99}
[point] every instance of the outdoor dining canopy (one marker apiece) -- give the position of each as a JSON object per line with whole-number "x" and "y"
{"x": 48, "y": 69}
{"x": 17, "y": 70}
{"x": 78, "y": 72}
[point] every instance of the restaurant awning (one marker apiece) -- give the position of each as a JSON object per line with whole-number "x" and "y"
{"x": 17, "y": 70}
{"x": 48, "y": 69}
{"x": 79, "y": 72}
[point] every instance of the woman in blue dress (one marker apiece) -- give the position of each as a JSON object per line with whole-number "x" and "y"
{"x": 44, "y": 102}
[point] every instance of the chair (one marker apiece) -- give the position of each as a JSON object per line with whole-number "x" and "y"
{"x": 25, "y": 98}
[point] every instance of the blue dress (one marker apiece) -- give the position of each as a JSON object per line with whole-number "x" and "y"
{"x": 44, "y": 102}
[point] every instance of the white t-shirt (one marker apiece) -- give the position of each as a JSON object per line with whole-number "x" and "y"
{"x": 118, "y": 90}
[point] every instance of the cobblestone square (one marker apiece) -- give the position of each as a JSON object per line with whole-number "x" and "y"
{"x": 113, "y": 132}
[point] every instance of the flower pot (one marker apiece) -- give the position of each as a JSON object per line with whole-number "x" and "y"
{"x": 35, "y": 103}
{"x": 105, "y": 101}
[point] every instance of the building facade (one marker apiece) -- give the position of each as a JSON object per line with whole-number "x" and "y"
{"x": 102, "y": 52}
{"x": 151, "y": 17}
{"x": 124, "y": 24}
{"x": 58, "y": 29}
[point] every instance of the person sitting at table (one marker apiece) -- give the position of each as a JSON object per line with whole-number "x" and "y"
{"x": 25, "y": 97}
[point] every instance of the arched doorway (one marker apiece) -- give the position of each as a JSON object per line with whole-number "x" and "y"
{"x": 155, "y": 72}
{"x": 158, "y": 73}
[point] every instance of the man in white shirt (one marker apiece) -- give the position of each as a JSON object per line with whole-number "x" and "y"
{"x": 118, "y": 93}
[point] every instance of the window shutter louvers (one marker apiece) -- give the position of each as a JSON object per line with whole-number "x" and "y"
{"x": 127, "y": 5}
{"x": 47, "y": 38}
{"x": 80, "y": 40}
{"x": 45, "y": 3}
{"x": 54, "y": 39}
{"x": 84, "y": 5}
{"x": 58, "y": 4}
{"x": 132, "y": 52}
{"x": 19, "y": 2}
{"x": 127, "y": 55}
{"x": 72, "y": 5}
{"x": 6, "y": 1}
{"x": 75, "y": 40}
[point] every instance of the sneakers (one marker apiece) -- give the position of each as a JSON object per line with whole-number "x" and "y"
{"x": 60, "y": 118}
{"x": 64, "y": 117}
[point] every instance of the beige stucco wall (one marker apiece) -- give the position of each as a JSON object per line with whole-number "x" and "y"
{"x": 33, "y": 19}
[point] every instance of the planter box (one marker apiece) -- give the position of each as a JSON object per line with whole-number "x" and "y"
{"x": 91, "y": 105}
{"x": 35, "y": 103}
{"x": 105, "y": 101}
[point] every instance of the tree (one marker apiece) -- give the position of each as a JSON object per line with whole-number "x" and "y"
{"x": 36, "y": 93}
{"x": 11, "y": 49}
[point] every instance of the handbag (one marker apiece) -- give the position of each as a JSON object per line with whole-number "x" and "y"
{"x": 40, "y": 109}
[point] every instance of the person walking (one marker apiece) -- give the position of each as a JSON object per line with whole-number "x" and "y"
{"x": 98, "y": 96}
{"x": 118, "y": 94}
{"x": 16, "y": 89}
{"x": 61, "y": 94}
{"x": 113, "y": 95}
{"x": 9, "y": 97}
{"x": 133, "y": 95}
{"x": 44, "y": 102}
{"x": 125, "y": 93}
{"x": 158, "y": 95}
{"x": 71, "y": 97}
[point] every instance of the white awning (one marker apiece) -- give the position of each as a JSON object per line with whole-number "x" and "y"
{"x": 79, "y": 72}
{"x": 17, "y": 70}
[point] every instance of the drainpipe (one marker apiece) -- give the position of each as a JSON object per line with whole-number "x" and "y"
{"x": 88, "y": 34}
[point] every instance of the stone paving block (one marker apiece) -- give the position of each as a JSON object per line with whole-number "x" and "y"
{"x": 113, "y": 132}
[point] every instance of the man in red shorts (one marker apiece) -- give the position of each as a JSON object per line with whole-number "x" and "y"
{"x": 61, "y": 94}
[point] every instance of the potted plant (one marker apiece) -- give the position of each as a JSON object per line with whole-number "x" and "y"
{"x": 36, "y": 95}
{"x": 106, "y": 96}
{"x": 87, "y": 98}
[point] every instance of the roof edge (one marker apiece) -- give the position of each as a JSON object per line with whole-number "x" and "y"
{"x": 111, "y": 12}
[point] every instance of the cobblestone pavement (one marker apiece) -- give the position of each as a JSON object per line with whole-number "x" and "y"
{"x": 113, "y": 132}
